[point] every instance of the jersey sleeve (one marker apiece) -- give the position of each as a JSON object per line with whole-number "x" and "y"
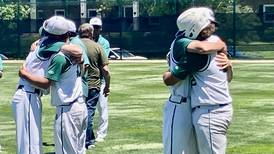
{"x": 56, "y": 67}
{"x": 180, "y": 70}
{"x": 180, "y": 49}
{"x": 187, "y": 63}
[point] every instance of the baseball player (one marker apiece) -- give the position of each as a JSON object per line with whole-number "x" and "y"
{"x": 26, "y": 103}
{"x": 103, "y": 100}
{"x": 98, "y": 65}
{"x": 210, "y": 134}
{"x": 64, "y": 79}
{"x": 178, "y": 132}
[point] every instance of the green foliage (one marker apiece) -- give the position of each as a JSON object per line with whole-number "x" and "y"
{"x": 103, "y": 7}
{"x": 11, "y": 12}
{"x": 154, "y": 8}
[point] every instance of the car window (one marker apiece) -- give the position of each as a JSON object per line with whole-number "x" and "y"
{"x": 112, "y": 55}
{"x": 125, "y": 53}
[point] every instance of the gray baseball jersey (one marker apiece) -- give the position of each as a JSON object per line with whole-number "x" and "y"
{"x": 212, "y": 109}
{"x": 211, "y": 85}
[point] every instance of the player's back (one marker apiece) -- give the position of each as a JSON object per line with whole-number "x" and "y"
{"x": 211, "y": 85}
{"x": 36, "y": 64}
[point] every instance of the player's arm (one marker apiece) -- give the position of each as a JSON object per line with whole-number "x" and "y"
{"x": 85, "y": 65}
{"x": 105, "y": 70}
{"x": 169, "y": 79}
{"x": 53, "y": 73}
{"x": 106, "y": 75}
{"x": 38, "y": 81}
{"x": 34, "y": 45}
{"x": 205, "y": 47}
{"x": 74, "y": 51}
{"x": 225, "y": 64}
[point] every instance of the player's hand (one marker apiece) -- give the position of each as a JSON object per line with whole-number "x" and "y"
{"x": 106, "y": 91}
{"x": 224, "y": 49}
{"x": 34, "y": 45}
{"x": 222, "y": 61}
{"x": 22, "y": 71}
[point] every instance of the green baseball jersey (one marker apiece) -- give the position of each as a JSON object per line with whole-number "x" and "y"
{"x": 97, "y": 59}
{"x": 58, "y": 65}
{"x": 49, "y": 46}
{"x": 105, "y": 44}
{"x": 67, "y": 85}
{"x": 1, "y": 64}
{"x": 183, "y": 62}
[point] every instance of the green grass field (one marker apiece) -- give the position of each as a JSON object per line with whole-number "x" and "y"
{"x": 136, "y": 103}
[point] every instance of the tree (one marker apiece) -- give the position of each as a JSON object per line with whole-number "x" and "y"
{"x": 11, "y": 11}
{"x": 10, "y": 16}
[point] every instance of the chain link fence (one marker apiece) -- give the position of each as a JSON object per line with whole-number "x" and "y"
{"x": 246, "y": 26}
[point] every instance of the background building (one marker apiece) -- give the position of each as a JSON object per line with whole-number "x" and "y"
{"x": 146, "y": 27}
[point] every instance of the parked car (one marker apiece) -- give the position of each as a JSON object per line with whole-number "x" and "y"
{"x": 3, "y": 57}
{"x": 118, "y": 53}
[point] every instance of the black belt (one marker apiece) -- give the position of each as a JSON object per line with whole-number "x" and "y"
{"x": 77, "y": 99}
{"x": 217, "y": 105}
{"x": 177, "y": 99}
{"x": 36, "y": 91}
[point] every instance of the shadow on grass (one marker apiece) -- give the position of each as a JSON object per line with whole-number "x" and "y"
{"x": 50, "y": 153}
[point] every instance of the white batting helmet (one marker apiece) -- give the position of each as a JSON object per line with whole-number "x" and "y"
{"x": 56, "y": 25}
{"x": 209, "y": 12}
{"x": 72, "y": 28}
{"x": 95, "y": 21}
{"x": 191, "y": 22}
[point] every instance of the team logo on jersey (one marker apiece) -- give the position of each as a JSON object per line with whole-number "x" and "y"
{"x": 50, "y": 72}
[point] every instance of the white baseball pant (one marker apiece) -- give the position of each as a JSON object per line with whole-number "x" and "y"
{"x": 211, "y": 124}
{"x": 102, "y": 107}
{"x": 70, "y": 128}
{"x": 27, "y": 110}
{"x": 178, "y": 131}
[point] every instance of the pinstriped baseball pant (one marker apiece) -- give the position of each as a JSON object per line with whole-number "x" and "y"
{"x": 27, "y": 111}
{"x": 70, "y": 129}
{"x": 211, "y": 124}
{"x": 178, "y": 131}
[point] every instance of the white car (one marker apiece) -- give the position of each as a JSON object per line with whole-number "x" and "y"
{"x": 117, "y": 53}
{"x": 3, "y": 57}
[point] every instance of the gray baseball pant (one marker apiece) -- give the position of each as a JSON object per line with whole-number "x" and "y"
{"x": 211, "y": 124}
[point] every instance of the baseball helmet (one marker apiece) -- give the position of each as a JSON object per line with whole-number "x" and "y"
{"x": 191, "y": 22}
{"x": 72, "y": 28}
{"x": 95, "y": 21}
{"x": 210, "y": 14}
{"x": 56, "y": 25}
